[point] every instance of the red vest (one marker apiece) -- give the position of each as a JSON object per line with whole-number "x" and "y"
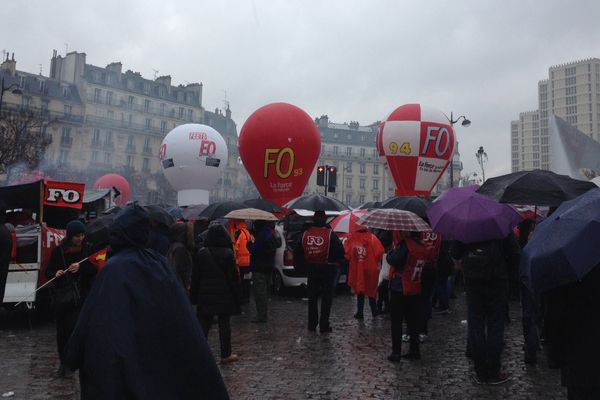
{"x": 411, "y": 274}
{"x": 315, "y": 243}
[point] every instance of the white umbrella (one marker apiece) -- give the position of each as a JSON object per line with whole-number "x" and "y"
{"x": 252, "y": 214}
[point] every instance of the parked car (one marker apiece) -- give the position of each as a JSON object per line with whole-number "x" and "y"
{"x": 286, "y": 274}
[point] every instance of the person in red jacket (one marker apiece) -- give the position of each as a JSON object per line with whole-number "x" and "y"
{"x": 364, "y": 253}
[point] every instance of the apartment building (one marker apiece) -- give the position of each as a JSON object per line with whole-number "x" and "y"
{"x": 571, "y": 92}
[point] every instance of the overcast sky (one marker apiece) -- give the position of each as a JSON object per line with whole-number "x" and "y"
{"x": 352, "y": 60}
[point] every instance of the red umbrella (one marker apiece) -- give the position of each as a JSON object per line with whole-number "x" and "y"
{"x": 346, "y": 221}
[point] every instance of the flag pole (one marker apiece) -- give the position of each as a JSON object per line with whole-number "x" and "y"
{"x": 51, "y": 280}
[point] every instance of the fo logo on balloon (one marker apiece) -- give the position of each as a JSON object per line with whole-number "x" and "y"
{"x": 417, "y": 143}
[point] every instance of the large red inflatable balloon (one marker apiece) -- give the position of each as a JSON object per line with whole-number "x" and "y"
{"x": 417, "y": 143}
{"x": 279, "y": 146}
{"x": 113, "y": 180}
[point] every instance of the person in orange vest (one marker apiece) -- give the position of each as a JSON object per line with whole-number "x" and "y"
{"x": 240, "y": 237}
{"x": 406, "y": 260}
{"x": 364, "y": 253}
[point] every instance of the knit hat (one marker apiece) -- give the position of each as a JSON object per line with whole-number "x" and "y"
{"x": 75, "y": 227}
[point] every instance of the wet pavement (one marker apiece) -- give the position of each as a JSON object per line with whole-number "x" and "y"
{"x": 283, "y": 360}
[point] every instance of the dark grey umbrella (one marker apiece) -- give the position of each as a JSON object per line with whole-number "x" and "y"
{"x": 220, "y": 209}
{"x": 317, "y": 202}
{"x": 417, "y": 205}
{"x": 264, "y": 205}
{"x": 160, "y": 215}
{"x": 537, "y": 187}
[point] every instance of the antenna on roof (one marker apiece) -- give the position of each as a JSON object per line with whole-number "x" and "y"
{"x": 40, "y": 68}
{"x": 155, "y": 72}
{"x": 66, "y": 48}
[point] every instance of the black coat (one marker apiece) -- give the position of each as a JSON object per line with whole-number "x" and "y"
{"x": 61, "y": 257}
{"x": 580, "y": 325}
{"x": 137, "y": 336}
{"x": 215, "y": 284}
{"x": 179, "y": 255}
{"x": 262, "y": 250}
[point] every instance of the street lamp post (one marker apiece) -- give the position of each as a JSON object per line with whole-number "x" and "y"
{"x": 466, "y": 122}
{"x": 3, "y": 89}
{"x": 481, "y": 158}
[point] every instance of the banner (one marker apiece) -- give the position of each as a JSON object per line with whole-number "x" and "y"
{"x": 64, "y": 194}
{"x": 573, "y": 152}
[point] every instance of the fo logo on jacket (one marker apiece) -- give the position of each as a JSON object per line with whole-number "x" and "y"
{"x": 315, "y": 243}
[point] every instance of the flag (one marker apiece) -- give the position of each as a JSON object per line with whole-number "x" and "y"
{"x": 98, "y": 259}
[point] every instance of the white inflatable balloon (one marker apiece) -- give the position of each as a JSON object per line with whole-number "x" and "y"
{"x": 193, "y": 157}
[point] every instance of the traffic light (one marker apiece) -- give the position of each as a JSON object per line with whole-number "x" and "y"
{"x": 331, "y": 178}
{"x": 320, "y": 175}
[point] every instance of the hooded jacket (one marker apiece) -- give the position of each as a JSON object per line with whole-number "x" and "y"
{"x": 215, "y": 280}
{"x": 137, "y": 336}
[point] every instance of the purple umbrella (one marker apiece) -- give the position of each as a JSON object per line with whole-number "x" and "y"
{"x": 464, "y": 215}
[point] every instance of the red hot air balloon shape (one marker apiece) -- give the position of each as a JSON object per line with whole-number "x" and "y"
{"x": 113, "y": 180}
{"x": 417, "y": 142}
{"x": 279, "y": 146}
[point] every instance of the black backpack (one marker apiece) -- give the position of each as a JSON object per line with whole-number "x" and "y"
{"x": 480, "y": 260}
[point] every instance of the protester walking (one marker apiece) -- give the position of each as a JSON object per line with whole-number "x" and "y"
{"x": 215, "y": 287}
{"x": 318, "y": 251}
{"x": 262, "y": 263}
{"x": 364, "y": 253}
{"x": 137, "y": 336}
{"x": 241, "y": 236}
{"x": 73, "y": 280}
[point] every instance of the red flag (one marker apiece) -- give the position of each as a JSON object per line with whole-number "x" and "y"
{"x": 98, "y": 259}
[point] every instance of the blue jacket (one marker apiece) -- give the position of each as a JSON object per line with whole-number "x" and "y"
{"x": 137, "y": 337}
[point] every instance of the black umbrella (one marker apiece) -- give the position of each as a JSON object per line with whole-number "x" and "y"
{"x": 537, "y": 187}
{"x": 160, "y": 215}
{"x": 191, "y": 212}
{"x": 97, "y": 232}
{"x": 370, "y": 205}
{"x": 264, "y": 205}
{"x": 220, "y": 209}
{"x": 317, "y": 202}
{"x": 417, "y": 205}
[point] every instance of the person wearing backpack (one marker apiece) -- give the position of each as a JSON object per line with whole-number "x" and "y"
{"x": 319, "y": 250}
{"x": 486, "y": 268}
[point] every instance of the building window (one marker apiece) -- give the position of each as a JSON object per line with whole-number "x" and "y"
{"x": 130, "y": 161}
{"x": 146, "y": 105}
{"x": 130, "y": 140}
{"x": 67, "y": 109}
{"x": 362, "y": 183}
{"x": 110, "y": 114}
{"x": 94, "y": 156}
{"x": 361, "y": 199}
{"x": 97, "y": 94}
{"x": 190, "y": 115}
{"x": 375, "y": 184}
{"x": 363, "y": 168}
{"x": 163, "y": 126}
{"x": 25, "y": 102}
{"x": 109, "y": 98}
{"x": 96, "y": 138}
{"x": 148, "y": 123}
{"x": 362, "y": 151}
{"x": 348, "y": 183}
{"x": 108, "y": 138}
{"x": 349, "y": 166}
{"x": 65, "y": 138}
{"x": 349, "y": 151}
{"x": 130, "y": 101}
{"x": 375, "y": 169}
{"x": 374, "y": 151}
{"x": 63, "y": 156}
{"x": 146, "y": 165}
{"x": 181, "y": 112}
{"x": 107, "y": 158}
{"x": 130, "y": 120}
{"x": 162, "y": 108}
{"x": 348, "y": 198}
{"x": 335, "y": 150}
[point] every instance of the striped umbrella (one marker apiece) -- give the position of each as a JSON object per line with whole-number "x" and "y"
{"x": 346, "y": 221}
{"x": 391, "y": 219}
